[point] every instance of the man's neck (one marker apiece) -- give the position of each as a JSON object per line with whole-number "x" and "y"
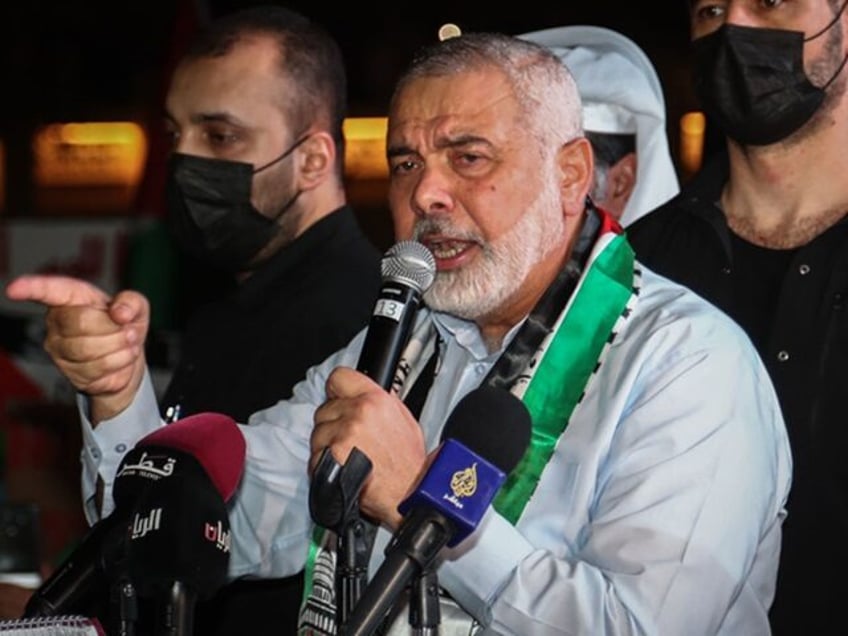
{"x": 785, "y": 195}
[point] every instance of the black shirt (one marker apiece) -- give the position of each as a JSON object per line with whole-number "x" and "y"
{"x": 246, "y": 351}
{"x": 757, "y": 277}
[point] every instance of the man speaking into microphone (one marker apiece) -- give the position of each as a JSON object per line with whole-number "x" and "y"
{"x": 647, "y": 502}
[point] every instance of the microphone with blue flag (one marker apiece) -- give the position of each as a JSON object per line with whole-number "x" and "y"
{"x": 485, "y": 437}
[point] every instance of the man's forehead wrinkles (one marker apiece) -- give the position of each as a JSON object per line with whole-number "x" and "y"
{"x": 458, "y": 138}
{"x": 448, "y": 124}
{"x": 439, "y": 139}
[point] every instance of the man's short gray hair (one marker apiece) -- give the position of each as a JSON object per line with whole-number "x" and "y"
{"x": 542, "y": 85}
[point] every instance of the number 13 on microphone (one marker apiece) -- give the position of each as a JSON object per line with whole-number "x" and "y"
{"x": 389, "y": 308}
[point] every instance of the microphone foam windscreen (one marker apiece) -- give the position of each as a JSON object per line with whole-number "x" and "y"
{"x": 492, "y": 423}
{"x": 146, "y": 465}
{"x": 179, "y": 531}
{"x": 213, "y": 439}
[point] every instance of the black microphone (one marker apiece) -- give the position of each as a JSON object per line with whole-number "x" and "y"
{"x": 208, "y": 437}
{"x": 179, "y": 536}
{"x": 408, "y": 269}
{"x": 485, "y": 437}
{"x": 179, "y": 546}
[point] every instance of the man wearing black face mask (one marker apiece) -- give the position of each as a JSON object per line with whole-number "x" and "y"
{"x": 255, "y": 108}
{"x": 255, "y": 190}
{"x": 761, "y": 232}
{"x": 211, "y": 212}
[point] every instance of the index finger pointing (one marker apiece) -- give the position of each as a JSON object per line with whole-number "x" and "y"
{"x": 56, "y": 291}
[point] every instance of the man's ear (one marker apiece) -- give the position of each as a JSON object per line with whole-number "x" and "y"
{"x": 576, "y": 164}
{"x": 317, "y": 157}
{"x": 621, "y": 180}
{"x": 622, "y": 176}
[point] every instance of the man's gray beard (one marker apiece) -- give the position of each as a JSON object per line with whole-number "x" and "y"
{"x": 479, "y": 289}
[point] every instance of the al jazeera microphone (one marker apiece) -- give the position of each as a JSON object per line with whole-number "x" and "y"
{"x": 484, "y": 438}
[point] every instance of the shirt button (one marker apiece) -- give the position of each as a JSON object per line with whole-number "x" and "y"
{"x": 725, "y": 270}
{"x": 783, "y": 356}
{"x": 120, "y": 448}
{"x": 804, "y": 269}
{"x": 95, "y": 453}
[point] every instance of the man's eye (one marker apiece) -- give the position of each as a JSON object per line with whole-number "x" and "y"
{"x": 400, "y": 167}
{"x": 217, "y": 138}
{"x": 704, "y": 11}
{"x": 469, "y": 160}
{"x": 172, "y": 136}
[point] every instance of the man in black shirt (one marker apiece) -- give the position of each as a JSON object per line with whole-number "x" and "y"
{"x": 761, "y": 233}
{"x": 255, "y": 191}
{"x": 255, "y": 109}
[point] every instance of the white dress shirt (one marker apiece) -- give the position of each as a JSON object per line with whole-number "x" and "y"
{"x": 658, "y": 513}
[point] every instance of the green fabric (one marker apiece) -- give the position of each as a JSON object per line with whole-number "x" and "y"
{"x": 309, "y": 570}
{"x": 559, "y": 379}
{"x": 561, "y": 376}
{"x": 152, "y": 269}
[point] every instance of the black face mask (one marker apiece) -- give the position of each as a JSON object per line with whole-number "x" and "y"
{"x": 752, "y": 81}
{"x": 210, "y": 211}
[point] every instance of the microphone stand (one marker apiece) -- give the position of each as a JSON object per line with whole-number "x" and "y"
{"x": 424, "y": 610}
{"x": 334, "y": 504}
{"x": 125, "y": 600}
{"x": 411, "y": 553}
{"x": 353, "y": 553}
{"x": 179, "y": 611}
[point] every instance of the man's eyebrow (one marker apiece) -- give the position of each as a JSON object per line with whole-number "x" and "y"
{"x": 444, "y": 142}
{"x": 399, "y": 150}
{"x": 223, "y": 117}
{"x": 465, "y": 139}
{"x": 213, "y": 117}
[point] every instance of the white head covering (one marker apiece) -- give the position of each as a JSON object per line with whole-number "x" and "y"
{"x": 621, "y": 93}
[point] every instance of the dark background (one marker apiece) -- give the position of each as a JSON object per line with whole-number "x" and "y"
{"x": 106, "y": 60}
{"x": 72, "y": 59}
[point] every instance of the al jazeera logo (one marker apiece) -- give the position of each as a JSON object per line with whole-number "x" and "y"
{"x": 463, "y": 484}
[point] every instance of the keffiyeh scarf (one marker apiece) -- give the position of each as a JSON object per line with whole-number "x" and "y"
{"x": 548, "y": 365}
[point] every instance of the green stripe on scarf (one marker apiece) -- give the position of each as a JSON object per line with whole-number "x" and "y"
{"x": 561, "y": 376}
{"x": 309, "y": 568}
{"x": 558, "y": 382}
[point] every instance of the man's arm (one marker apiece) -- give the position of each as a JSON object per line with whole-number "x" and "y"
{"x": 659, "y": 511}
{"x": 96, "y": 341}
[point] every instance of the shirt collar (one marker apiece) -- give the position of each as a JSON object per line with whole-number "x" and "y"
{"x": 467, "y": 335}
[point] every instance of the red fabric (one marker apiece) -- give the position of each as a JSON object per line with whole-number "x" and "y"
{"x": 15, "y": 383}
{"x": 608, "y": 222}
{"x": 41, "y": 444}
{"x": 214, "y": 440}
